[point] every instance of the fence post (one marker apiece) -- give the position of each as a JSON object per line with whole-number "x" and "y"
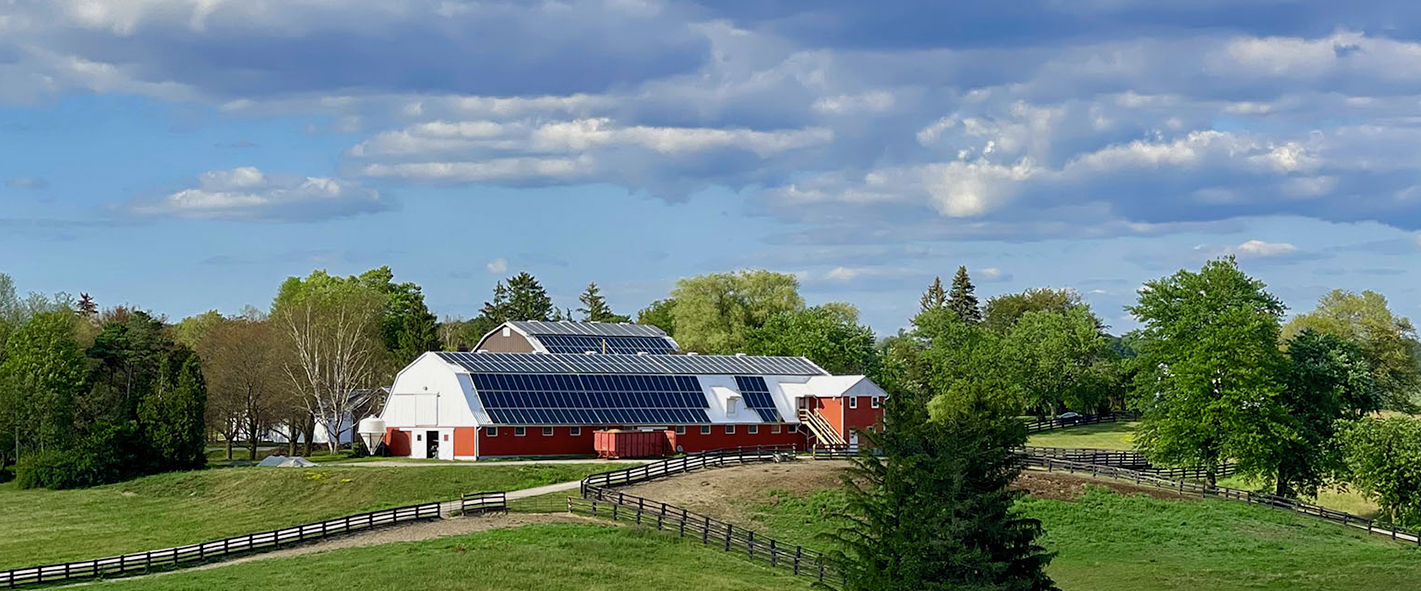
{"x": 798, "y": 553}
{"x": 728, "y": 529}
{"x": 751, "y": 545}
{"x": 705, "y": 532}
{"x": 773, "y": 557}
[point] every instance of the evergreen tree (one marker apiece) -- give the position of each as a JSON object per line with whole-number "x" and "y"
{"x": 527, "y": 300}
{"x": 86, "y": 307}
{"x": 935, "y": 297}
{"x": 933, "y": 511}
{"x": 594, "y": 307}
{"x": 495, "y": 312}
{"x": 172, "y": 417}
{"x": 962, "y": 300}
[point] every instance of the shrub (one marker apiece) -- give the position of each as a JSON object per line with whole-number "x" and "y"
{"x": 110, "y": 454}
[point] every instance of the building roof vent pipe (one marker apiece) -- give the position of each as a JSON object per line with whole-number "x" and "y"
{"x": 739, "y": 354}
{"x": 642, "y": 353}
{"x": 589, "y": 352}
{"x": 691, "y": 353}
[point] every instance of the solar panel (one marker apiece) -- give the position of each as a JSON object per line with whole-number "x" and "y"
{"x": 599, "y": 329}
{"x": 561, "y": 363}
{"x": 623, "y": 345}
{"x": 614, "y": 400}
{"x": 757, "y": 397}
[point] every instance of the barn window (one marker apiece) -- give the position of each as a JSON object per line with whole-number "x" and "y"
{"x": 775, "y": 428}
{"x": 705, "y": 429}
{"x": 681, "y": 430}
{"x": 730, "y": 429}
{"x": 853, "y": 402}
{"x": 874, "y": 401}
{"x": 753, "y": 429}
{"x": 491, "y": 431}
{"x": 575, "y": 431}
{"x": 547, "y": 431}
{"x": 519, "y": 431}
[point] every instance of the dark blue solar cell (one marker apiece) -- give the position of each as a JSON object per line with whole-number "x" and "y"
{"x": 556, "y": 399}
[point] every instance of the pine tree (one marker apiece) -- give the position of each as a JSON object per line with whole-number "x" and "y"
{"x": 172, "y": 416}
{"x": 594, "y": 307}
{"x": 932, "y": 511}
{"x": 496, "y": 311}
{"x": 962, "y": 300}
{"x": 527, "y": 300}
{"x": 934, "y": 298}
{"x": 87, "y": 307}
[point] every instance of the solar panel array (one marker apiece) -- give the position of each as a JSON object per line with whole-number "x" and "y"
{"x": 623, "y": 345}
{"x": 757, "y": 396}
{"x": 565, "y": 399}
{"x": 559, "y": 363}
{"x": 598, "y": 329}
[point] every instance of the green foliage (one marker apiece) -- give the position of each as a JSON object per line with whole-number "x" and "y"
{"x": 1061, "y": 361}
{"x": 1211, "y": 373}
{"x": 407, "y": 327}
{"x": 172, "y": 416}
{"x": 661, "y": 314}
{"x": 933, "y": 510}
{"x": 111, "y": 453}
{"x": 595, "y": 309}
{"x": 41, "y": 377}
{"x": 1328, "y": 380}
{"x": 714, "y": 313}
{"x": 1389, "y": 342}
{"x": 1002, "y": 312}
{"x": 527, "y": 300}
{"x": 1383, "y": 459}
{"x": 934, "y": 298}
{"x": 193, "y": 329}
{"x": 827, "y": 336}
{"x": 962, "y": 300}
{"x": 130, "y": 351}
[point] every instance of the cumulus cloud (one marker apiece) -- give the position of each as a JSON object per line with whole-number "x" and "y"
{"x": 249, "y": 194}
{"x": 1265, "y": 249}
{"x": 498, "y": 265}
{"x": 992, "y": 275}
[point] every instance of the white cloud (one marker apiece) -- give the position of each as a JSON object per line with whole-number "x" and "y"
{"x": 967, "y": 189}
{"x": 248, "y": 194}
{"x": 1265, "y": 249}
{"x": 586, "y": 134}
{"x": 500, "y": 169}
{"x": 851, "y": 104}
{"x": 498, "y": 265}
{"x": 991, "y": 275}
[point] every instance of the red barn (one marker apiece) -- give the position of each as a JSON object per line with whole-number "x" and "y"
{"x": 478, "y": 405}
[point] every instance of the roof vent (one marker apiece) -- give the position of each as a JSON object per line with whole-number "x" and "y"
{"x": 689, "y": 353}
{"x": 642, "y": 353}
{"x": 482, "y": 351}
{"x": 589, "y": 352}
{"x": 739, "y": 354}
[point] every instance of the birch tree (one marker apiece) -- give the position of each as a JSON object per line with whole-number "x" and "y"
{"x": 330, "y": 328}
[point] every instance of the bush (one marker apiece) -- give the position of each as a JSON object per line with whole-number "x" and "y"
{"x": 111, "y": 454}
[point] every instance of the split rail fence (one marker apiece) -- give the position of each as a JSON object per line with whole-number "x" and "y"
{"x": 484, "y": 502}
{"x": 193, "y": 553}
{"x": 1051, "y": 424}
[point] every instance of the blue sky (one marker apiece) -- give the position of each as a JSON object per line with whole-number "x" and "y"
{"x": 184, "y": 155}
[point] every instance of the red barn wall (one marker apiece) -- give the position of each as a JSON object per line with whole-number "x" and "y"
{"x": 534, "y": 443}
{"x": 694, "y": 441}
{"x": 863, "y": 417}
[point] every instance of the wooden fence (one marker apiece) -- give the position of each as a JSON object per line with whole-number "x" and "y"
{"x": 1126, "y": 459}
{"x": 1203, "y": 490}
{"x": 601, "y": 502}
{"x": 1039, "y": 425}
{"x": 167, "y": 557}
{"x": 689, "y": 463}
{"x": 484, "y": 502}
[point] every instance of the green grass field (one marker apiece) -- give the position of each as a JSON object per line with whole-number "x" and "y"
{"x": 1099, "y": 436}
{"x": 43, "y": 526}
{"x": 1109, "y": 542}
{"x": 551, "y": 557}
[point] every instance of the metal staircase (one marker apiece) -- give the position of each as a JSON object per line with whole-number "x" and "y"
{"x": 825, "y": 434}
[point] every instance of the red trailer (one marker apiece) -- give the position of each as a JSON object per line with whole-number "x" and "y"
{"x": 629, "y": 444}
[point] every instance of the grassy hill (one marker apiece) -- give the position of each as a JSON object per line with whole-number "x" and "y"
{"x": 552, "y": 557}
{"x": 43, "y": 526}
{"x": 1108, "y": 541}
{"x": 1099, "y": 436}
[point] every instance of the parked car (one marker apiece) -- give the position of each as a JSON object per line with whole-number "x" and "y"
{"x": 1070, "y": 418}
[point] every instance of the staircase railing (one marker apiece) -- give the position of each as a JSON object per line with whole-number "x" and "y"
{"x": 820, "y": 428}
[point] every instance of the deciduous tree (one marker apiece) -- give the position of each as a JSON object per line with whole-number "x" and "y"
{"x": 1002, "y": 312}
{"x": 1328, "y": 382}
{"x": 1388, "y": 341}
{"x": 661, "y": 314}
{"x": 1383, "y": 458}
{"x": 1212, "y": 372}
{"x": 824, "y": 335}
{"x": 1060, "y": 361}
{"x": 715, "y": 312}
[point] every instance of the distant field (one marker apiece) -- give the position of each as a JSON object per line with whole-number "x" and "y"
{"x": 1100, "y": 436}
{"x": 42, "y": 526}
{"x": 1112, "y": 542}
{"x": 553, "y": 557}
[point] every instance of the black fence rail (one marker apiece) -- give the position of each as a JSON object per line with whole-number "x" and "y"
{"x": 1039, "y": 425}
{"x": 689, "y": 463}
{"x": 194, "y": 553}
{"x": 617, "y": 506}
{"x": 834, "y": 452}
{"x": 1203, "y": 490}
{"x": 484, "y": 502}
{"x": 1125, "y": 459}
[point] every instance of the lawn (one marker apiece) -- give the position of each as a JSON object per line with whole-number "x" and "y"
{"x": 43, "y": 526}
{"x": 1099, "y": 436}
{"x": 550, "y": 557}
{"x": 1107, "y": 541}
{"x": 1340, "y": 498}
